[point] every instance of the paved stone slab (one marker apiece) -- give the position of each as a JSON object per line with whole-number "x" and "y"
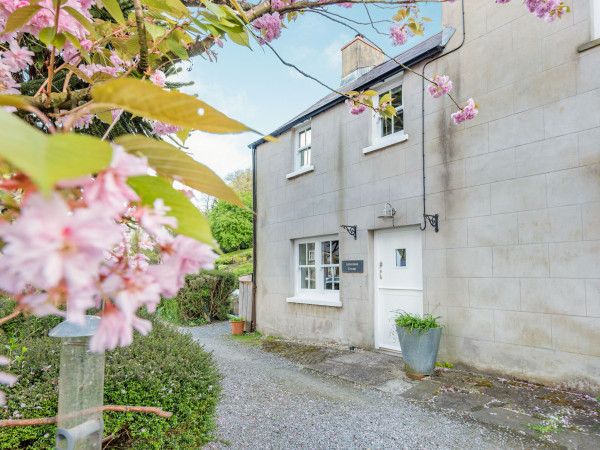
{"x": 572, "y": 439}
{"x": 421, "y": 392}
{"x": 459, "y": 401}
{"x": 505, "y": 418}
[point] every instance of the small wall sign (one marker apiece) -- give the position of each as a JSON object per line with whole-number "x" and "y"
{"x": 352, "y": 266}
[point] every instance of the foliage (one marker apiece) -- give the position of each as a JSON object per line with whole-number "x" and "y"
{"x": 416, "y": 322}
{"x": 242, "y": 269}
{"x": 444, "y": 365}
{"x": 240, "y": 180}
{"x": 205, "y": 296}
{"x": 230, "y": 225}
{"x": 240, "y": 256}
{"x": 167, "y": 369}
{"x": 233, "y": 318}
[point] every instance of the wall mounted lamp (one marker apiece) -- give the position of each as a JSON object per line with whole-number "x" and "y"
{"x": 387, "y": 212}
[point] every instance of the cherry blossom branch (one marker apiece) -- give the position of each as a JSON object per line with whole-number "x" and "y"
{"x": 53, "y": 48}
{"x": 118, "y": 408}
{"x": 16, "y": 312}
{"x": 139, "y": 19}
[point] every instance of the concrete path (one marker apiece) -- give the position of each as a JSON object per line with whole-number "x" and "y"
{"x": 271, "y": 402}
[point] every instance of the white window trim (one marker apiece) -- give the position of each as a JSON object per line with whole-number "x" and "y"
{"x": 319, "y": 297}
{"x": 302, "y": 170}
{"x": 377, "y": 141}
{"x": 303, "y": 127}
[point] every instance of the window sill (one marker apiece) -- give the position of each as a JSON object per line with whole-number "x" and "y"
{"x": 322, "y": 301}
{"x": 385, "y": 143}
{"x": 300, "y": 171}
{"x": 588, "y": 45}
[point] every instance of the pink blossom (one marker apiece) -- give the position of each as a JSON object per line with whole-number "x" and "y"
{"x": 17, "y": 58}
{"x": 186, "y": 256}
{"x": 443, "y": 86}
{"x": 48, "y": 243}
{"x": 467, "y": 113}
{"x": 355, "y": 108}
{"x": 346, "y": 5}
{"x": 154, "y": 221}
{"x": 398, "y": 35}
{"x": 83, "y": 121}
{"x": 114, "y": 329}
{"x": 110, "y": 188}
{"x": 277, "y": 4}
{"x": 7, "y": 83}
{"x": 162, "y": 128}
{"x": 158, "y": 78}
{"x": 269, "y": 25}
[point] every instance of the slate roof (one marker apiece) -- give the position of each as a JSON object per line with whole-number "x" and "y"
{"x": 429, "y": 47}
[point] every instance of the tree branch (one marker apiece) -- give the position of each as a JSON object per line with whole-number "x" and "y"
{"x": 139, "y": 19}
{"x": 16, "y": 312}
{"x": 119, "y": 408}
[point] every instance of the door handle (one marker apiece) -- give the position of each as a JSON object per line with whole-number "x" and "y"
{"x": 380, "y": 270}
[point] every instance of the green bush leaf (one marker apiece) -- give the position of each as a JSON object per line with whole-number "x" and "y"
{"x": 113, "y": 8}
{"x": 47, "y": 34}
{"x": 171, "y": 162}
{"x": 190, "y": 221}
{"x": 147, "y": 100}
{"x": 47, "y": 159}
{"x": 20, "y": 17}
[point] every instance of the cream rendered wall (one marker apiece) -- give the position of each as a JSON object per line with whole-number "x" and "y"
{"x": 515, "y": 268}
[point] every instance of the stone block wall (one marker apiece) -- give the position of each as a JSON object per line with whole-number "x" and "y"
{"x": 515, "y": 268}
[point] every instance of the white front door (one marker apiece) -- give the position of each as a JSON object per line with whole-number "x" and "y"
{"x": 398, "y": 281}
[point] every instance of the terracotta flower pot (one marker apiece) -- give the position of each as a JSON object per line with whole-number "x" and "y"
{"x": 237, "y": 327}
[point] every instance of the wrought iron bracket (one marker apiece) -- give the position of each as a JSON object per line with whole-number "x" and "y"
{"x": 351, "y": 229}
{"x": 433, "y": 221}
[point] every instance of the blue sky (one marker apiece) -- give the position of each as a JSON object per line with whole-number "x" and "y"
{"x": 256, "y": 89}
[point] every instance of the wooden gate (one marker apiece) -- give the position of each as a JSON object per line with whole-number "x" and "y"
{"x": 245, "y": 301}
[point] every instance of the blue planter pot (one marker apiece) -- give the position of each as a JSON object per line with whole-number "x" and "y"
{"x": 419, "y": 349}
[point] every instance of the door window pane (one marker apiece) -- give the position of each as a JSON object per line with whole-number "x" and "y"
{"x": 400, "y": 257}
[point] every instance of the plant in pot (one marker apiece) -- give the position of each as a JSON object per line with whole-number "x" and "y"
{"x": 237, "y": 324}
{"x": 419, "y": 340}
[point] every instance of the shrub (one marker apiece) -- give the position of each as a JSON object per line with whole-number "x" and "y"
{"x": 204, "y": 296}
{"x": 415, "y": 322}
{"x": 242, "y": 269}
{"x": 166, "y": 369}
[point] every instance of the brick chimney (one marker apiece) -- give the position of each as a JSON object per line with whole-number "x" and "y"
{"x": 358, "y": 57}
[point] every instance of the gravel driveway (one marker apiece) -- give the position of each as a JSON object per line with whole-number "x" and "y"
{"x": 272, "y": 403}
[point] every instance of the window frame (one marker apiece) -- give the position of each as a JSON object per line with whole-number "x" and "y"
{"x": 320, "y": 295}
{"x": 298, "y": 149}
{"x": 378, "y": 141}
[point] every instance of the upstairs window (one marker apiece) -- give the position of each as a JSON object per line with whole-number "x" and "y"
{"x": 303, "y": 147}
{"x": 394, "y": 124}
{"x": 595, "y": 19}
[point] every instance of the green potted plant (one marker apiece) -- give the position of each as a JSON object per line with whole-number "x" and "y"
{"x": 420, "y": 341}
{"x": 237, "y": 324}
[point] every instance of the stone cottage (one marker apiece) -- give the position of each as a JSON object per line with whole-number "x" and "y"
{"x": 347, "y": 206}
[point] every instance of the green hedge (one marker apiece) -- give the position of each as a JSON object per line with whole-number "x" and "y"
{"x": 205, "y": 297}
{"x": 166, "y": 369}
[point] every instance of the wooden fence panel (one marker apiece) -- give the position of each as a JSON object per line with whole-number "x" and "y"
{"x": 245, "y": 301}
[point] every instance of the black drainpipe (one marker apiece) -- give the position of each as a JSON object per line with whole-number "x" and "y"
{"x": 433, "y": 219}
{"x": 254, "y": 215}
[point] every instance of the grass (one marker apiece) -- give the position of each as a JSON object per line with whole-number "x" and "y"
{"x": 416, "y": 322}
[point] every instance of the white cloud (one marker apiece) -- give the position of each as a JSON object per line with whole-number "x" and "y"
{"x": 332, "y": 54}
{"x": 223, "y": 153}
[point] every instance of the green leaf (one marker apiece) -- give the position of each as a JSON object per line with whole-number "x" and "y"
{"x": 415, "y": 28}
{"x": 84, "y": 21}
{"x": 239, "y": 9}
{"x": 386, "y": 98}
{"x": 147, "y": 100}
{"x": 46, "y": 35}
{"x": 20, "y": 17}
{"x": 47, "y": 159}
{"x": 178, "y": 49}
{"x": 171, "y": 162}
{"x": 190, "y": 221}
{"x": 113, "y": 8}
{"x": 240, "y": 38}
{"x": 154, "y": 30}
{"x": 13, "y": 100}
{"x": 79, "y": 73}
{"x": 369, "y": 93}
{"x": 59, "y": 40}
